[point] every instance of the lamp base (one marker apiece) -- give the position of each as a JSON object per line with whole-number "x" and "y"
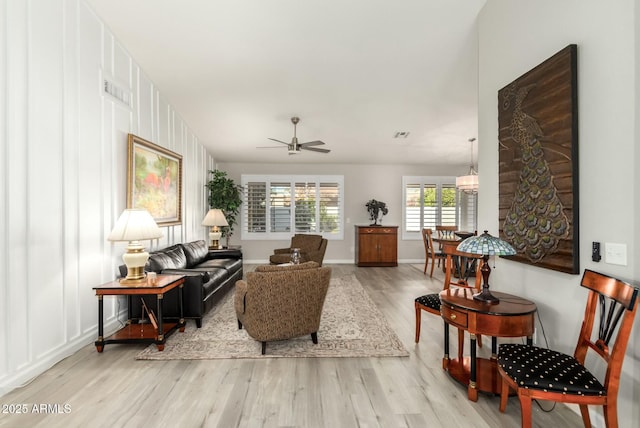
{"x": 127, "y": 281}
{"x": 486, "y": 297}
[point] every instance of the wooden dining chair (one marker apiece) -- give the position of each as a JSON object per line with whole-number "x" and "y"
{"x": 539, "y": 373}
{"x": 429, "y": 250}
{"x": 445, "y": 233}
{"x": 431, "y": 302}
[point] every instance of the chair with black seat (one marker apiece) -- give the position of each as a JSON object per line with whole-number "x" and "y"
{"x": 431, "y": 302}
{"x": 539, "y": 373}
{"x": 429, "y": 250}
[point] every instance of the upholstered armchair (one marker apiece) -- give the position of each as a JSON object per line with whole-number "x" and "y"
{"x": 312, "y": 249}
{"x": 282, "y": 302}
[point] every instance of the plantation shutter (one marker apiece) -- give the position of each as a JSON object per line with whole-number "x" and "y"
{"x": 255, "y": 207}
{"x": 329, "y": 208}
{"x": 280, "y": 203}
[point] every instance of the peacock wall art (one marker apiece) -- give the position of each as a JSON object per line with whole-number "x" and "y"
{"x": 538, "y": 164}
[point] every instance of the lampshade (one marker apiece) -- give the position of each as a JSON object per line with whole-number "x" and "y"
{"x": 135, "y": 225}
{"x": 468, "y": 183}
{"x": 486, "y": 245}
{"x": 215, "y": 218}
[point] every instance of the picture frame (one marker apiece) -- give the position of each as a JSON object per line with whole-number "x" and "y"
{"x": 154, "y": 180}
{"x": 538, "y": 164}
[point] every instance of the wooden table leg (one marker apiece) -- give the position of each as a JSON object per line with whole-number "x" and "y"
{"x": 445, "y": 359}
{"x": 100, "y": 342}
{"x": 181, "y": 302}
{"x": 160, "y": 340}
{"x": 472, "y": 391}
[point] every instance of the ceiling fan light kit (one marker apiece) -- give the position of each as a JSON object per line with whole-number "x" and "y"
{"x": 294, "y": 147}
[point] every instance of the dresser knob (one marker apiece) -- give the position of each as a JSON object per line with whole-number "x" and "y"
{"x": 453, "y": 316}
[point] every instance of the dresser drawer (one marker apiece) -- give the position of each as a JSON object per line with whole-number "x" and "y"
{"x": 453, "y": 316}
{"x": 383, "y": 230}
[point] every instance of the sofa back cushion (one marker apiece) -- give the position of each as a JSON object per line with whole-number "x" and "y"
{"x": 196, "y": 252}
{"x": 169, "y": 258}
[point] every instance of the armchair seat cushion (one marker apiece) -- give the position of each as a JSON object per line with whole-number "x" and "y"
{"x": 539, "y": 368}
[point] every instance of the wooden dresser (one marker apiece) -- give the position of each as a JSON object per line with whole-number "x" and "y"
{"x": 377, "y": 245}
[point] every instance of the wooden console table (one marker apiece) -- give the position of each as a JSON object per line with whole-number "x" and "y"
{"x": 512, "y": 317}
{"x": 140, "y": 333}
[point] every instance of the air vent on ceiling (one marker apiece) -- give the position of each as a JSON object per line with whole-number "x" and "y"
{"x": 116, "y": 91}
{"x": 401, "y": 134}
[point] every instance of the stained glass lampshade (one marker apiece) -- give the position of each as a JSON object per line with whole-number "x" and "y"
{"x": 486, "y": 245}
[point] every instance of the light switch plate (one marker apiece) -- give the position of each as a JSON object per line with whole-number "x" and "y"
{"x": 615, "y": 254}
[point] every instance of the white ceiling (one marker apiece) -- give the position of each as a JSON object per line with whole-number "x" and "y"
{"x": 354, "y": 71}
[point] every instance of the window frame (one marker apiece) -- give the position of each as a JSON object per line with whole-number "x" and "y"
{"x": 268, "y": 179}
{"x": 422, "y": 181}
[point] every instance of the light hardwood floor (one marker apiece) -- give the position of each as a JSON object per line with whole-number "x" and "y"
{"x": 112, "y": 389}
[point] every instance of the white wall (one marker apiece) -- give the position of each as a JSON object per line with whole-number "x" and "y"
{"x": 362, "y": 183}
{"x": 515, "y": 36}
{"x": 63, "y": 177}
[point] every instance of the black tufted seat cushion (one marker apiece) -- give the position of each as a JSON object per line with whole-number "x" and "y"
{"x": 539, "y": 368}
{"x": 430, "y": 301}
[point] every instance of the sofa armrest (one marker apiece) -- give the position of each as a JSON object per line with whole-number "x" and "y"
{"x": 228, "y": 253}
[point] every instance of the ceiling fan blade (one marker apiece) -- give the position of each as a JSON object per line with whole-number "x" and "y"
{"x": 314, "y": 149}
{"x": 278, "y": 141}
{"x": 313, "y": 143}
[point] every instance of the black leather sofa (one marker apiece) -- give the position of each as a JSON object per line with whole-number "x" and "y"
{"x": 210, "y": 275}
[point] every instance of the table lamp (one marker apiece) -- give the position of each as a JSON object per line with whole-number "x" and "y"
{"x": 135, "y": 225}
{"x": 215, "y": 218}
{"x": 486, "y": 245}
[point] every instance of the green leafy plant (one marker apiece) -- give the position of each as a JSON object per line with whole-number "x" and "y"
{"x": 225, "y": 194}
{"x": 377, "y": 209}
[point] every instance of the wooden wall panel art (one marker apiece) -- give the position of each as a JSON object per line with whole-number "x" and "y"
{"x": 538, "y": 164}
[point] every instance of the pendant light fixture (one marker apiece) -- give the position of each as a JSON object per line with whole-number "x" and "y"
{"x": 468, "y": 183}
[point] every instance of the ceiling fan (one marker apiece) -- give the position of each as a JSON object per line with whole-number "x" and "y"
{"x": 294, "y": 147}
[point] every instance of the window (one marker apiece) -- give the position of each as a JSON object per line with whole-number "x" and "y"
{"x": 431, "y": 201}
{"x": 277, "y": 206}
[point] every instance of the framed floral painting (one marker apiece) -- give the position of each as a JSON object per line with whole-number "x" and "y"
{"x": 154, "y": 181}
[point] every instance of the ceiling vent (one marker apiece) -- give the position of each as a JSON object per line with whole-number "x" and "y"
{"x": 401, "y": 134}
{"x": 118, "y": 92}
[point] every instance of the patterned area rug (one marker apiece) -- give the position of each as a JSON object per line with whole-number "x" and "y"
{"x": 351, "y": 326}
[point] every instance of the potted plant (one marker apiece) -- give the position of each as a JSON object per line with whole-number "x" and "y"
{"x": 377, "y": 209}
{"x": 224, "y": 194}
